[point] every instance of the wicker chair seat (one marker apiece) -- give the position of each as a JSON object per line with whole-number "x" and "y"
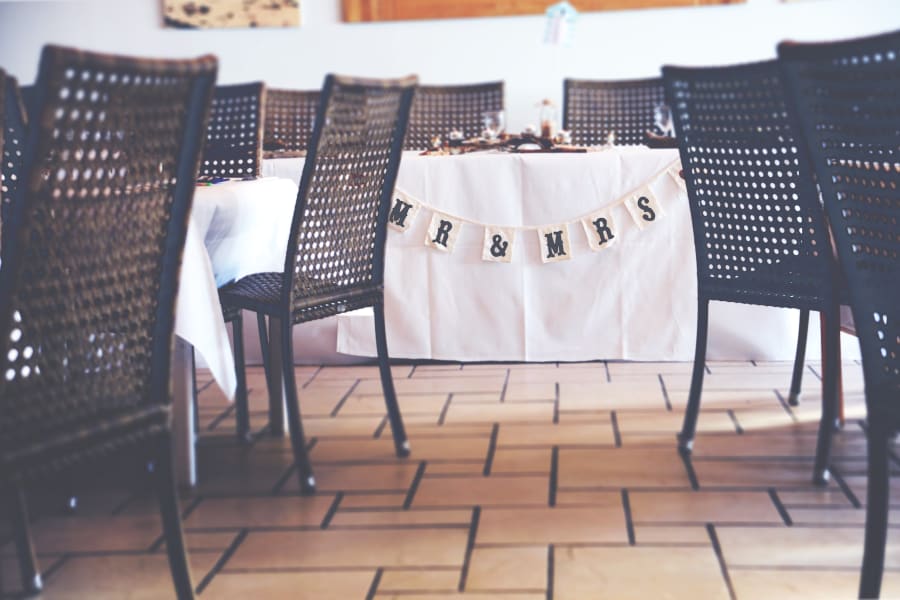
{"x": 262, "y": 293}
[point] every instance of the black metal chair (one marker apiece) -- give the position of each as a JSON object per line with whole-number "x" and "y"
{"x": 289, "y": 121}
{"x": 233, "y": 150}
{"x": 12, "y": 144}
{"x": 759, "y": 231}
{"x": 439, "y": 109}
{"x": 843, "y": 96}
{"x": 335, "y": 255}
{"x": 594, "y": 108}
{"x": 88, "y": 284}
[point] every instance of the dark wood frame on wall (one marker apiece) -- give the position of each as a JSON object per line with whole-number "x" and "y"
{"x": 401, "y": 10}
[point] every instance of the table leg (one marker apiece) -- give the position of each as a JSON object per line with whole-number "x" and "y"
{"x": 275, "y": 380}
{"x": 183, "y": 413}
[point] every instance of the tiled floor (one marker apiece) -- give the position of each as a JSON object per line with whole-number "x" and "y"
{"x": 525, "y": 481}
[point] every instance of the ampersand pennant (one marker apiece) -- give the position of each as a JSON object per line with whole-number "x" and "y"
{"x": 498, "y": 244}
{"x": 600, "y": 229}
{"x": 442, "y": 232}
{"x": 403, "y": 211}
{"x": 554, "y": 243}
{"x": 644, "y": 208}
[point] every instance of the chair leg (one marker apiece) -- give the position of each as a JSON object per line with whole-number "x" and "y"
{"x": 194, "y": 395}
{"x": 28, "y": 568}
{"x": 274, "y": 378}
{"x": 263, "y": 341}
{"x": 877, "y": 496}
{"x": 164, "y": 476}
{"x": 401, "y": 442}
{"x": 830, "y": 368}
{"x": 689, "y": 426}
{"x": 799, "y": 359}
{"x": 241, "y": 403}
{"x": 298, "y": 441}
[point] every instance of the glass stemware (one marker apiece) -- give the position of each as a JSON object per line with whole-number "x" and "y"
{"x": 494, "y": 124}
{"x": 662, "y": 118}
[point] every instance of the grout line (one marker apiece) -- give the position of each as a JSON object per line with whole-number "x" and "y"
{"x": 617, "y": 435}
{"x": 376, "y": 581}
{"x": 814, "y": 372}
{"x": 191, "y": 507}
{"x": 470, "y": 546}
{"x": 734, "y": 420}
{"x": 413, "y": 370}
{"x": 665, "y": 392}
{"x": 444, "y": 409}
{"x": 606, "y": 368}
{"x": 708, "y": 370}
{"x": 340, "y": 404}
{"x": 717, "y": 548}
{"x": 780, "y": 507}
{"x": 380, "y": 429}
{"x": 787, "y": 408}
{"x": 753, "y": 362}
{"x": 202, "y": 388}
{"x": 226, "y": 556}
{"x": 326, "y": 520}
{"x": 689, "y": 467}
{"x": 629, "y": 522}
{"x": 492, "y": 448}
{"x": 311, "y": 377}
{"x": 554, "y": 476}
{"x": 221, "y": 416}
{"x": 53, "y": 568}
{"x": 844, "y": 487}
{"x": 120, "y": 508}
{"x": 556, "y": 404}
{"x": 282, "y": 480}
{"x": 551, "y": 567}
{"x": 414, "y": 486}
{"x": 505, "y": 384}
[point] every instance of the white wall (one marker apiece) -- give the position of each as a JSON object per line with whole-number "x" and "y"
{"x": 616, "y": 44}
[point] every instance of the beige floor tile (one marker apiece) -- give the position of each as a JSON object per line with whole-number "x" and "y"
{"x": 507, "y": 569}
{"x": 604, "y": 522}
{"x": 382, "y": 449}
{"x": 643, "y": 394}
{"x": 522, "y": 460}
{"x": 749, "y": 472}
{"x": 703, "y": 507}
{"x": 485, "y": 491}
{"x": 351, "y": 548}
{"x": 410, "y": 404}
{"x": 456, "y": 468}
{"x": 379, "y": 518}
{"x": 517, "y": 595}
{"x": 263, "y": 511}
{"x": 621, "y": 467}
{"x": 340, "y": 585}
{"x": 694, "y": 535}
{"x": 373, "y": 500}
{"x": 389, "y": 477}
{"x": 93, "y": 534}
{"x": 793, "y": 584}
{"x": 430, "y": 580}
{"x": 660, "y": 421}
{"x": 561, "y": 434}
{"x": 525, "y": 391}
{"x": 431, "y": 385}
{"x": 626, "y": 573}
{"x": 506, "y": 412}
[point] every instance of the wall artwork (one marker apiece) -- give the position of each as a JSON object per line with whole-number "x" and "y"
{"x": 209, "y": 14}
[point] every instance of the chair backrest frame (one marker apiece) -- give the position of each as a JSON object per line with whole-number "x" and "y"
{"x": 843, "y": 99}
{"x": 439, "y": 109}
{"x": 234, "y": 136}
{"x": 289, "y": 119}
{"x": 12, "y": 146}
{"x": 87, "y": 89}
{"x": 328, "y": 117}
{"x": 760, "y": 234}
{"x": 593, "y": 108}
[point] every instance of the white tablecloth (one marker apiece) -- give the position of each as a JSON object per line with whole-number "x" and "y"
{"x": 634, "y": 301}
{"x": 236, "y": 228}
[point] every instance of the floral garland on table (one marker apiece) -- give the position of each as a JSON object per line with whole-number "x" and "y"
{"x": 599, "y": 227}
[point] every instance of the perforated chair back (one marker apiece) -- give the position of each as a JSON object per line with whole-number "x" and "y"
{"x": 87, "y": 289}
{"x": 234, "y": 135}
{"x": 335, "y": 258}
{"x": 846, "y": 97}
{"x": 759, "y": 231}
{"x": 439, "y": 109}
{"x": 12, "y": 143}
{"x": 289, "y": 119}
{"x": 592, "y": 109}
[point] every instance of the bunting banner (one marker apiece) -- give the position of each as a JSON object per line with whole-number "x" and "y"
{"x": 644, "y": 208}
{"x": 601, "y": 228}
{"x": 498, "y": 243}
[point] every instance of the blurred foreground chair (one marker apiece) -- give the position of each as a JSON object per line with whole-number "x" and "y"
{"x": 289, "y": 116}
{"x": 439, "y": 109}
{"x": 592, "y": 109}
{"x": 759, "y": 230}
{"x": 844, "y": 96}
{"x": 12, "y": 145}
{"x": 335, "y": 256}
{"x": 88, "y": 285}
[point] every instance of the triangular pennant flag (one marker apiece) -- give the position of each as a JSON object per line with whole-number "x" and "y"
{"x": 644, "y": 208}
{"x": 554, "y": 243}
{"x": 676, "y": 174}
{"x": 600, "y": 229}
{"x": 442, "y": 232}
{"x": 498, "y": 243}
{"x": 403, "y": 211}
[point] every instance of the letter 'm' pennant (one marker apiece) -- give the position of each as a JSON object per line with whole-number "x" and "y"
{"x": 554, "y": 243}
{"x": 403, "y": 211}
